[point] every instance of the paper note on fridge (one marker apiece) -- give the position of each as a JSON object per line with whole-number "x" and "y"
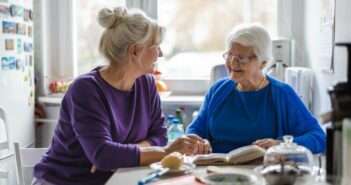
{"x": 242, "y": 155}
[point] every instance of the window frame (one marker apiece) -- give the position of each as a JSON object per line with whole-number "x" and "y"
{"x": 200, "y": 85}
{"x": 64, "y": 54}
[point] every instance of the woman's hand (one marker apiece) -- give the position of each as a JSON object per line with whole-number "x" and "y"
{"x": 204, "y": 148}
{"x": 203, "y": 145}
{"x": 266, "y": 143}
{"x": 143, "y": 144}
{"x": 185, "y": 145}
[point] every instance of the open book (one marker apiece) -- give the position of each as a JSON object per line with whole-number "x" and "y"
{"x": 242, "y": 155}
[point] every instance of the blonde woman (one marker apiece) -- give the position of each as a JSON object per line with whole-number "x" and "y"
{"x": 111, "y": 117}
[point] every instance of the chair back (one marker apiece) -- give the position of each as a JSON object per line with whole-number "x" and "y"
{"x": 26, "y": 157}
{"x": 4, "y": 175}
{"x": 4, "y": 145}
{"x": 217, "y": 72}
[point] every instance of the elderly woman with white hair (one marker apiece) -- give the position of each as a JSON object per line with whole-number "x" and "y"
{"x": 251, "y": 107}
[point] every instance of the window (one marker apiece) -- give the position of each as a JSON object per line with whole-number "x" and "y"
{"x": 89, "y": 32}
{"x": 196, "y": 32}
{"x": 195, "y": 37}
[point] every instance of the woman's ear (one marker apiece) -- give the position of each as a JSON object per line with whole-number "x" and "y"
{"x": 133, "y": 50}
{"x": 263, "y": 64}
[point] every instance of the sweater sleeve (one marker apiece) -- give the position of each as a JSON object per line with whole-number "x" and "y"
{"x": 157, "y": 134}
{"x": 303, "y": 125}
{"x": 91, "y": 124}
{"x": 200, "y": 125}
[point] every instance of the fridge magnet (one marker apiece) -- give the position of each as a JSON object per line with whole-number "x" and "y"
{"x": 16, "y": 10}
{"x": 19, "y": 46}
{"x": 27, "y": 47}
{"x": 30, "y": 101}
{"x": 26, "y": 15}
{"x": 19, "y": 64}
{"x": 4, "y": 11}
{"x": 26, "y": 60}
{"x": 30, "y": 60}
{"x": 5, "y": 1}
{"x": 30, "y": 14}
{"x": 25, "y": 78}
{"x": 21, "y": 29}
{"x": 9, "y": 45}
{"x": 4, "y": 61}
{"x": 30, "y": 31}
{"x": 9, "y": 27}
{"x": 30, "y": 78}
{"x": 8, "y": 63}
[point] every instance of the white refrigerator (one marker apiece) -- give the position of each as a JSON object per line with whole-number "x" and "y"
{"x": 16, "y": 75}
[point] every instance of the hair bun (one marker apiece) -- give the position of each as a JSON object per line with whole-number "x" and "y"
{"x": 108, "y": 18}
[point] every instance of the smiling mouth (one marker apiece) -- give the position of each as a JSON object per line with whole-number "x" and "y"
{"x": 237, "y": 70}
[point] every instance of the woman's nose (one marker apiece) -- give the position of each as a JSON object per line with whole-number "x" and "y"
{"x": 160, "y": 53}
{"x": 230, "y": 63}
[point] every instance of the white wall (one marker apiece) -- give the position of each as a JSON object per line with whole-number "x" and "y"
{"x": 302, "y": 21}
{"x": 342, "y": 33}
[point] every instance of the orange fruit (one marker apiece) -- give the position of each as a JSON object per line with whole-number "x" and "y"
{"x": 161, "y": 86}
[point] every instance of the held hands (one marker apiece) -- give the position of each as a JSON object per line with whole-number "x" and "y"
{"x": 189, "y": 145}
{"x": 185, "y": 145}
{"x": 266, "y": 143}
{"x": 203, "y": 147}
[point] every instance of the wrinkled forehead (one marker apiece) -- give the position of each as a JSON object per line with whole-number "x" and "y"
{"x": 238, "y": 48}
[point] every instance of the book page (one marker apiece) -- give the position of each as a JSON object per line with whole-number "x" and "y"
{"x": 214, "y": 158}
{"x": 246, "y": 153}
{"x": 237, "y": 156}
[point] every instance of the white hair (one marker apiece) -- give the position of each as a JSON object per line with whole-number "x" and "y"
{"x": 126, "y": 27}
{"x": 254, "y": 36}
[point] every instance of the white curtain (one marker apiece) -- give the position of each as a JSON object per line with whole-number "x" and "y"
{"x": 291, "y": 23}
{"x": 56, "y": 41}
{"x": 148, "y": 6}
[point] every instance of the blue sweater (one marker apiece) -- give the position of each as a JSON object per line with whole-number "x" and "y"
{"x": 287, "y": 116}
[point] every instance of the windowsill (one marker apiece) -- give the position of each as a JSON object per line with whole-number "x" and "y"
{"x": 196, "y": 100}
{"x": 50, "y": 99}
{"x": 173, "y": 99}
{"x": 186, "y": 86}
{"x": 187, "y": 79}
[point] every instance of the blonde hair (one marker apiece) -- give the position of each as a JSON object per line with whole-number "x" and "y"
{"x": 254, "y": 36}
{"x": 126, "y": 27}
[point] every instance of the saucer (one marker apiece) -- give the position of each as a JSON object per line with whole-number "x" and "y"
{"x": 229, "y": 179}
{"x": 315, "y": 171}
{"x": 186, "y": 167}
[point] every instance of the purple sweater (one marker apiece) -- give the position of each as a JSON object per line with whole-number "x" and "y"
{"x": 99, "y": 125}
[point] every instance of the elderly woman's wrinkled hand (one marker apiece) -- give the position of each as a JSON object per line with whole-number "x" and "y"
{"x": 185, "y": 145}
{"x": 266, "y": 143}
{"x": 203, "y": 145}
